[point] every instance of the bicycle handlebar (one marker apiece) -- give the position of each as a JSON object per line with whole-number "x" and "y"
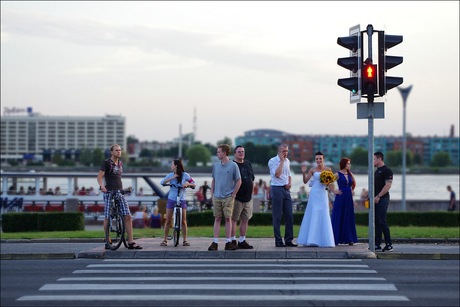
{"x": 176, "y": 186}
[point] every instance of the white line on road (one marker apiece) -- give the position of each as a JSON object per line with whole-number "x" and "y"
{"x": 239, "y": 278}
{"x": 241, "y": 265}
{"x": 207, "y": 287}
{"x": 233, "y": 260}
{"x": 231, "y": 298}
{"x": 233, "y": 271}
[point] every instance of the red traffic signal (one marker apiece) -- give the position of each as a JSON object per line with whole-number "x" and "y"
{"x": 369, "y": 79}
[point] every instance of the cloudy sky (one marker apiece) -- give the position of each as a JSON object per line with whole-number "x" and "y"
{"x": 242, "y": 65}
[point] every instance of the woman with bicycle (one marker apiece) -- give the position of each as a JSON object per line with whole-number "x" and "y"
{"x": 178, "y": 176}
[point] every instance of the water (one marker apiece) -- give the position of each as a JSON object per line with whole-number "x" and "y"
{"x": 418, "y": 187}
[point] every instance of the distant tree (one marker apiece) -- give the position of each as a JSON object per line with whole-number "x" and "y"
{"x": 226, "y": 140}
{"x": 85, "y": 157}
{"x": 198, "y": 153}
{"x": 394, "y": 158}
{"x": 97, "y": 157}
{"x": 67, "y": 163}
{"x": 124, "y": 157}
{"x": 441, "y": 159}
{"x": 56, "y": 159}
{"x": 212, "y": 149}
{"x": 145, "y": 153}
{"x": 418, "y": 159}
{"x": 131, "y": 139}
{"x": 259, "y": 154}
{"x": 359, "y": 156}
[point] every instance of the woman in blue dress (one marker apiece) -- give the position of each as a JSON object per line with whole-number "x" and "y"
{"x": 343, "y": 213}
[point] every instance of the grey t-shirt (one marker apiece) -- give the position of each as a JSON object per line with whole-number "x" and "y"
{"x": 225, "y": 177}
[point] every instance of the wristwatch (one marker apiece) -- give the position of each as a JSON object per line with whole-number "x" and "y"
{"x": 378, "y": 195}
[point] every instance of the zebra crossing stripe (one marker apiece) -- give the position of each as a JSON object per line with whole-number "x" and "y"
{"x": 207, "y": 287}
{"x": 175, "y": 265}
{"x": 231, "y": 298}
{"x": 233, "y": 271}
{"x": 218, "y": 278}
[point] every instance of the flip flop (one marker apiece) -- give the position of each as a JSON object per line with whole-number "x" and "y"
{"x": 134, "y": 246}
{"x": 185, "y": 243}
{"x": 164, "y": 243}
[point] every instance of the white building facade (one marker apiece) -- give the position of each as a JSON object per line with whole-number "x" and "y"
{"x": 38, "y": 137}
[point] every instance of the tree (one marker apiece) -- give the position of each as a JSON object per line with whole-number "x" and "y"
{"x": 441, "y": 159}
{"x": 145, "y": 153}
{"x": 56, "y": 159}
{"x": 418, "y": 159}
{"x": 131, "y": 139}
{"x": 197, "y": 153}
{"x": 226, "y": 140}
{"x": 359, "y": 156}
{"x": 97, "y": 157}
{"x": 85, "y": 157}
{"x": 394, "y": 158}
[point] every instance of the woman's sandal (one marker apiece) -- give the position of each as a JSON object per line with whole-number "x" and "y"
{"x": 164, "y": 243}
{"x": 185, "y": 243}
{"x": 134, "y": 246}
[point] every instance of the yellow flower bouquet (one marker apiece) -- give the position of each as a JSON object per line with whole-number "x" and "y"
{"x": 326, "y": 177}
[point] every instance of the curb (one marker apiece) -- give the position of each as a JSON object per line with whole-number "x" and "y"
{"x": 412, "y": 256}
{"x": 44, "y": 256}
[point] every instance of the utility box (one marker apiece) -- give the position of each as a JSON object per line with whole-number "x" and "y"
{"x": 71, "y": 205}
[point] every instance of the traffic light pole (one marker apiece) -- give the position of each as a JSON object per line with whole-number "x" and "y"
{"x": 370, "y": 146}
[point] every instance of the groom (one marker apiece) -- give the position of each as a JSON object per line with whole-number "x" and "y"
{"x": 281, "y": 196}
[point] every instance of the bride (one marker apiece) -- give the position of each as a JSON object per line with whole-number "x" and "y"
{"x": 316, "y": 227}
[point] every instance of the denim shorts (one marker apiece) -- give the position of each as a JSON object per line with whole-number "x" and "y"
{"x": 171, "y": 203}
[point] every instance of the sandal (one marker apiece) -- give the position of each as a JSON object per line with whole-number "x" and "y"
{"x": 164, "y": 243}
{"x": 134, "y": 246}
{"x": 185, "y": 243}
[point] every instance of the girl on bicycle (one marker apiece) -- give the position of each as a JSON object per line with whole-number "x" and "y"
{"x": 178, "y": 176}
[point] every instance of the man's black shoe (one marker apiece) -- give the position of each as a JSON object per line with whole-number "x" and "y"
{"x": 280, "y": 244}
{"x": 291, "y": 244}
{"x": 378, "y": 248}
{"x": 387, "y": 248}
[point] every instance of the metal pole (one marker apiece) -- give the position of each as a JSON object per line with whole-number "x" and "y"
{"x": 180, "y": 141}
{"x": 370, "y": 156}
{"x": 404, "y": 93}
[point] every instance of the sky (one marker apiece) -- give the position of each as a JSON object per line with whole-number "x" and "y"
{"x": 241, "y": 65}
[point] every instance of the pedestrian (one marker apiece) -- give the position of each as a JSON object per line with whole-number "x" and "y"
{"x": 243, "y": 200}
{"x": 281, "y": 196}
{"x": 112, "y": 169}
{"x": 205, "y": 189}
{"x": 179, "y": 177}
{"x": 452, "y": 199}
{"x": 226, "y": 181}
{"x": 316, "y": 228}
{"x": 343, "y": 213}
{"x": 383, "y": 178}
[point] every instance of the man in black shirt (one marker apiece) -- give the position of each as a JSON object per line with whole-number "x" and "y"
{"x": 112, "y": 169}
{"x": 383, "y": 178}
{"x": 242, "y": 206}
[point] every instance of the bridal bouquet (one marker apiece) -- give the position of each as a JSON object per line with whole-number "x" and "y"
{"x": 326, "y": 177}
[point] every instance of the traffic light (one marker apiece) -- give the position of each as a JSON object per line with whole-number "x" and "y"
{"x": 353, "y": 64}
{"x": 387, "y": 62}
{"x": 369, "y": 79}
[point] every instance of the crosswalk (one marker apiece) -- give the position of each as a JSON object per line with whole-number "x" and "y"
{"x": 222, "y": 282}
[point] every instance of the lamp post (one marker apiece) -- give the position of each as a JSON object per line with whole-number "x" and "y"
{"x": 404, "y": 93}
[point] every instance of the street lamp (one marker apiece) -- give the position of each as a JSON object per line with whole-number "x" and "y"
{"x": 404, "y": 93}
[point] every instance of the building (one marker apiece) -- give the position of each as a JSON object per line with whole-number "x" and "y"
{"x": 37, "y": 137}
{"x": 334, "y": 147}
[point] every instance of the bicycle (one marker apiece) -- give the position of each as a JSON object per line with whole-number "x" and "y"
{"x": 115, "y": 232}
{"x": 177, "y": 217}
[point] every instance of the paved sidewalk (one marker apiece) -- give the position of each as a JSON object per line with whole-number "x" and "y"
{"x": 263, "y": 248}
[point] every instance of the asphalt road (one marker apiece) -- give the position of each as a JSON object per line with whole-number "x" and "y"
{"x": 225, "y": 282}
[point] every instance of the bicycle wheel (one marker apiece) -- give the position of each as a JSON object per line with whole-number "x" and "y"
{"x": 177, "y": 224}
{"x": 115, "y": 231}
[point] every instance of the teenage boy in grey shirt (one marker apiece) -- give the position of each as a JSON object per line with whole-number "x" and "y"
{"x": 226, "y": 181}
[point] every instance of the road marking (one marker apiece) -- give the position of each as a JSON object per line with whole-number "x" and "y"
{"x": 234, "y": 271}
{"x": 275, "y": 261}
{"x": 239, "y": 278}
{"x": 160, "y": 297}
{"x": 175, "y": 265}
{"x": 290, "y": 287}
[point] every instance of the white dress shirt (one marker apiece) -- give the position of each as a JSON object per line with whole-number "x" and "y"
{"x": 285, "y": 174}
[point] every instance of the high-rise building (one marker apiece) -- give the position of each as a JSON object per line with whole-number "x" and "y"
{"x": 34, "y": 136}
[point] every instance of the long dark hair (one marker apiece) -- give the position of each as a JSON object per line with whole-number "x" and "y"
{"x": 179, "y": 170}
{"x": 343, "y": 163}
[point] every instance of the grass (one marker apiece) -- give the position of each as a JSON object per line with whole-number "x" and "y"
{"x": 253, "y": 232}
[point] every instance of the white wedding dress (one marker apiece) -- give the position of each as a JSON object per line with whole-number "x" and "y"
{"x": 316, "y": 227}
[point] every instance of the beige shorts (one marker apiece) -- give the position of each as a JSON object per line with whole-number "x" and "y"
{"x": 223, "y": 207}
{"x": 242, "y": 210}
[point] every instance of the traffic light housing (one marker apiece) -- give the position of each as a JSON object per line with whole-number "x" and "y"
{"x": 353, "y": 64}
{"x": 369, "y": 79}
{"x": 387, "y": 62}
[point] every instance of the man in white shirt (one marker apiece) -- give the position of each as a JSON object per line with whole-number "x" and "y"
{"x": 281, "y": 196}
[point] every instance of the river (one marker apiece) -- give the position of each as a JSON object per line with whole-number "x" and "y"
{"x": 418, "y": 187}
